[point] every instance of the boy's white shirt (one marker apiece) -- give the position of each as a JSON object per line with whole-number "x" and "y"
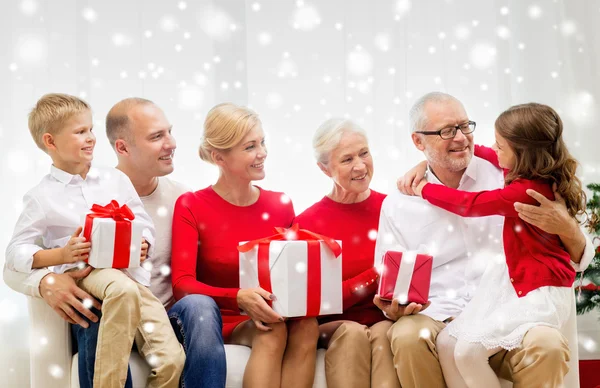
{"x": 53, "y": 210}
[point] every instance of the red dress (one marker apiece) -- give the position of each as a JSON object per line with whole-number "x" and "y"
{"x": 206, "y": 233}
{"x": 535, "y": 258}
{"x": 356, "y": 226}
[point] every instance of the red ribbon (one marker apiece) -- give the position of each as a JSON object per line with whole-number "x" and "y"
{"x": 313, "y": 271}
{"x": 122, "y": 216}
{"x": 589, "y": 287}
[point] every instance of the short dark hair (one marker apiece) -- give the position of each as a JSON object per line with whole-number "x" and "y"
{"x": 117, "y": 119}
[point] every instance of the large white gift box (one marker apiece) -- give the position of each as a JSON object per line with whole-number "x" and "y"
{"x": 304, "y": 276}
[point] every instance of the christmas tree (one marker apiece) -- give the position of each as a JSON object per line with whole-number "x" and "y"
{"x": 588, "y": 296}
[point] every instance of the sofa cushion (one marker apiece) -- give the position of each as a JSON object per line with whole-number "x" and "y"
{"x": 237, "y": 357}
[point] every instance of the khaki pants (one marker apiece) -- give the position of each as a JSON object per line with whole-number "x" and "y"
{"x": 542, "y": 360}
{"x": 360, "y": 356}
{"x": 131, "y": 312}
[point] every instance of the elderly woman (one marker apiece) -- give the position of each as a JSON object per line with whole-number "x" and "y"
{"x": 358, "y": 351}
{"x": 208, "y": 225}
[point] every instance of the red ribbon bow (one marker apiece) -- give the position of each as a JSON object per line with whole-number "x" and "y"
{"x": 122, "y": 216}
{"x": 313, "y": 292}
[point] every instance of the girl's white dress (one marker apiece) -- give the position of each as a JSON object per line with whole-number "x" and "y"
{"x": 497, "y": 317}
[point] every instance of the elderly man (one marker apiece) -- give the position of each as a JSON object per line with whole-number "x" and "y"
{"x": 460, "y": 247}
{"x": 141, "y": 136}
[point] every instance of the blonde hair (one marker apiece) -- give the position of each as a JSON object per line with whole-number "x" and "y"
{"x": 329, "y": 134}
{"x": 51, "y": 112}
{"x": 225, "y": 126}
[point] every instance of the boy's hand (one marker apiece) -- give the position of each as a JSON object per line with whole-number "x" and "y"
{"x": 144, "y": 250}
{"x": 77, "y": 249}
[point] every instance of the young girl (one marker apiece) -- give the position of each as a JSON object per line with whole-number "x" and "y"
{"x": 533, "y": 286}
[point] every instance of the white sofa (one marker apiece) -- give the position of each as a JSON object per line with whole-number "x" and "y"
{"x": 53, "y": 365}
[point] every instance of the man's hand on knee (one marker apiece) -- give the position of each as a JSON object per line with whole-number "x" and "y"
{"x": 394, "y": 311}
{"x": 68, "y": 300}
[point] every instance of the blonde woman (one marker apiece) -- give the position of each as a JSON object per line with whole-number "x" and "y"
{"x": 208, "y": 225}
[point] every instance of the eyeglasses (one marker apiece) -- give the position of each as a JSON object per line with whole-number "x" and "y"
{"x": 449, "y": 132}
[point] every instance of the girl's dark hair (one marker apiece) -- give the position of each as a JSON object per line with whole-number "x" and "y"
{"x": 534, "y": 133}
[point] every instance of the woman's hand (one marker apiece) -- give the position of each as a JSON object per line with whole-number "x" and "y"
{"x": 252, "y": 302}
{"x": 411, "y": 179}
{"x": 419, "y": 188}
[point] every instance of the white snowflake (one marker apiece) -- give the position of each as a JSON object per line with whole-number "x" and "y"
{"x": 306, "y": 18}
{"x": 568, "y": 27}
{"x": 56, "y": 371}
{"x": 31, "y": 49}
{"x": 87, "y": 303}
{"x": 216, "y": 23}
{"x": 359, "y": 62}
{"x": 165, "y": 270}
{"x": 503, "y": 32}
{"x": 148, "y": 327}
{"x": 168, "y": 23}
{"x": 402, "y": 8}
{"x": 89, "y": 14}
{"x": 287, "y": 68}
{"x": 462, "y": 32}
{"x": 190, "y": 98}
{"x": 300, "y": 267}
{"x": 535, "y": 11}
{"x": 383, "y": 41}
{"x": 29, "y": 7}
{"x": 121, "y": 40}
{"x": 482, "y": 55}
{"x": 152, "y": 360}
{"x": 264, "y": 38}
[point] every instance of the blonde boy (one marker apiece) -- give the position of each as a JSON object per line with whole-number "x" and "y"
{"x": 48, "y": 234}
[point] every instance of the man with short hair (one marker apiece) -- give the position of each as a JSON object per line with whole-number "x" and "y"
{"x": 460, "y": 248}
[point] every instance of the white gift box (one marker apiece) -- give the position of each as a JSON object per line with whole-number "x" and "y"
{"x": 102, "y": 236}
{"x": 288, "y": 268}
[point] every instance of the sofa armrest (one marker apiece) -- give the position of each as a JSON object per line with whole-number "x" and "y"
{"x": 50, "y": 346}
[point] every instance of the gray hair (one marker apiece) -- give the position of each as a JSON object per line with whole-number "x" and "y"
{"x": 416, "y": 115}
{"x": 329, "y": 135}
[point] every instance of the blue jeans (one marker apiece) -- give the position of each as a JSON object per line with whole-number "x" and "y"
{"x": 197, "y": 323}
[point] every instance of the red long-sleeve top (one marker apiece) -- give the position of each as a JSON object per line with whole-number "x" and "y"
{"x": 534, "y": 258}
{"x": 356, "y": 226}
{"x": 206, "y": 232}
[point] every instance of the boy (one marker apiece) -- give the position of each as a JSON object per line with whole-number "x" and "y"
{"x": 61, "y": 125}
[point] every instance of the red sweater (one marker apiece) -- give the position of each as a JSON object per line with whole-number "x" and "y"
{"x": 534, "y": 258}
{"x": 206, "y": 233}
{"x": 356, "y": 226}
